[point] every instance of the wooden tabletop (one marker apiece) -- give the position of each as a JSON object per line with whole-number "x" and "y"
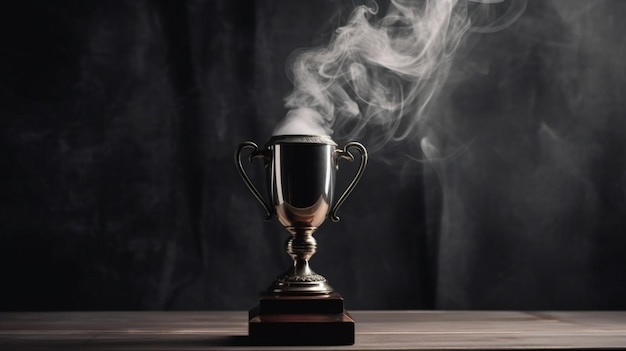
{"x": 375, "y": 330}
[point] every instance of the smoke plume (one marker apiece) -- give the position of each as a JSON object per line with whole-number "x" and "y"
{"x": 377, "y": 76}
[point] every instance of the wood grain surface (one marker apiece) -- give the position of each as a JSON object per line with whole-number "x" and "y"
{"x": 384, "y": 330}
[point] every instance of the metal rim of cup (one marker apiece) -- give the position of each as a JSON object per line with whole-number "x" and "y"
{"x": 300, "y": 139}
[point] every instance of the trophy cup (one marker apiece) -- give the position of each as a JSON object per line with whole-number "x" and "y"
{"x": 300, "y": 306}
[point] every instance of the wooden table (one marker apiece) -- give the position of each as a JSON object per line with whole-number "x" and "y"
{"x": 384, "y": 330}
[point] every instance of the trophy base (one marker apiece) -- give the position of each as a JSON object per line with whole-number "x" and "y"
{"x": 301, "y": 320}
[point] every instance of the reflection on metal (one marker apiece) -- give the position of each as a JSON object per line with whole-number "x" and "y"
{"x": 300, "y": 172}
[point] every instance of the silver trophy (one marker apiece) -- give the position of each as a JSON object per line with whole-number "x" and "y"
{"x": 300, "y": 173}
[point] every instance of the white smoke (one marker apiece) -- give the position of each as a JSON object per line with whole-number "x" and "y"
{"x": 377, "y": 76}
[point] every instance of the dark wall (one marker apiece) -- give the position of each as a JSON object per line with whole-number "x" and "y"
{"x": 119, "y": 119}
{"x": 534, "y": 200}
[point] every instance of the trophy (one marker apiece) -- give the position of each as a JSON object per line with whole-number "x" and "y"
{"x": 300, "y": 306}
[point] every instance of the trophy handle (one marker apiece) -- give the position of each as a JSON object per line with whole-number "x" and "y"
{"x": 346, "y": 155}
{"x": 256, "y": 153}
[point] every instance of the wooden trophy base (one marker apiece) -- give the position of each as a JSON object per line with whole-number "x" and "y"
{"x": 301, "y": 320}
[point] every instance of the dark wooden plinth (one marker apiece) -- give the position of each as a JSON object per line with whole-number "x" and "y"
{"x": 300, "y": 320}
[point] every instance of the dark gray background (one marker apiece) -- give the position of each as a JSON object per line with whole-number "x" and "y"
{"x": 118, "y": 190}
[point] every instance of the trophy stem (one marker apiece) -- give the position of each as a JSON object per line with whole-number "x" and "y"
{"x": 300, "y": 279}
